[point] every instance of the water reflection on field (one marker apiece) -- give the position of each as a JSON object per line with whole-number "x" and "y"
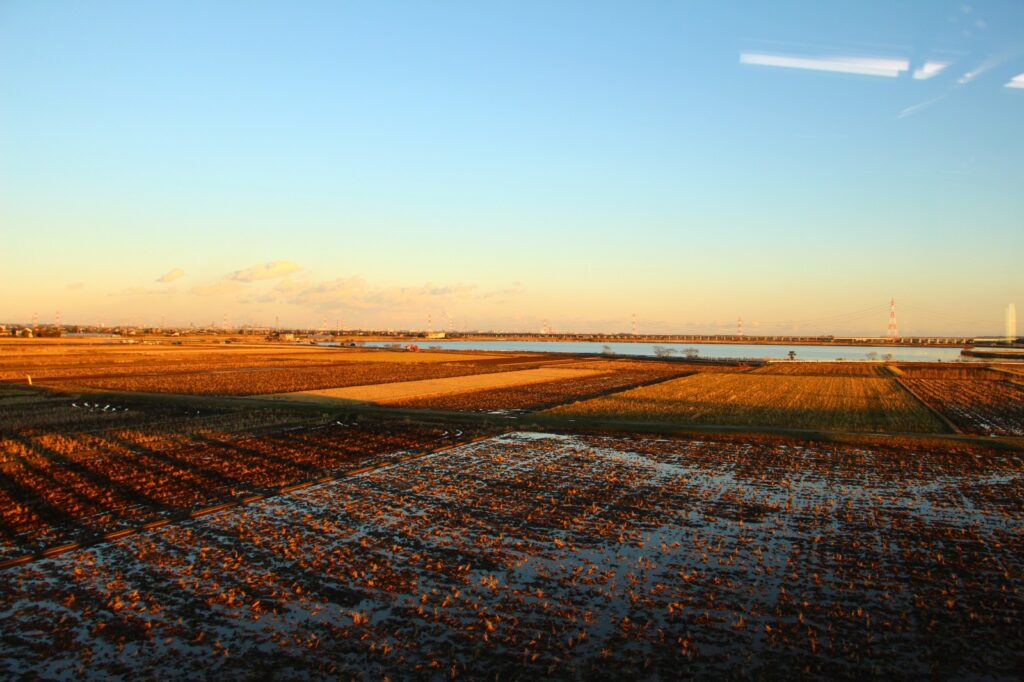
{"x": 533, "y": 555}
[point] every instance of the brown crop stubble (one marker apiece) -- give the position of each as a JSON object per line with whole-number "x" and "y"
{"x": 983, "y": 407}
{"x": 261, "y": 380}
{"x": 558, "y": 557}
{"x": 807, "y": 402}
{"x": 74, "y": 487}
{"x": 849, "y": 369}
{"x": 547, "y": 394}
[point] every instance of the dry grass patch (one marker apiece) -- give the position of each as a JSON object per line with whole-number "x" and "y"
{"x": 406, "y": 390}
{"x": 846, "y": 369}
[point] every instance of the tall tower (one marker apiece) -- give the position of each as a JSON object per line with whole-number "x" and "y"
{"x": 893, "y": 332}
{"x": 1011, "y": 323}
{"x": 634, "y": 325}
{"x": 56, "y": 321}
{"x": 739, "y": 326}
{"x": 35, "y": 320}
{"x": 430, "y": 323}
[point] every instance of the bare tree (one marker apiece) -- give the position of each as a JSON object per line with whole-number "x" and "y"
{"x": 664, "y": 352}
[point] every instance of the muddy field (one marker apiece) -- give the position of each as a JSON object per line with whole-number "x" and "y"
{"x": 534, "y": 555}
{"x": 81, "y": 469}
{"x": 989, "y": 408}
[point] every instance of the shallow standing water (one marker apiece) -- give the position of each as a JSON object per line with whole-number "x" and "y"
{"x": 720, "y": 351}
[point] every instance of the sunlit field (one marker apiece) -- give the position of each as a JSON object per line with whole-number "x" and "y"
{"x": 511, "y": 341}
{"x": 445, "y": 515}
{"x": 839, "y": 403}
{"x": 550, "y": 556}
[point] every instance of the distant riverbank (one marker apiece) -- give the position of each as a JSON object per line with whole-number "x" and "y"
{"x": 716, "y": 351}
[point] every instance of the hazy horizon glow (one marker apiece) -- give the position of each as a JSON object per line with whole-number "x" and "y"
{"x": 399, "y": 164}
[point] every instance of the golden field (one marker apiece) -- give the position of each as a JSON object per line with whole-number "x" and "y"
{"x": 839, "y": 403}
{"x": 970, "y": 398}
{"x": 409, "y": 390}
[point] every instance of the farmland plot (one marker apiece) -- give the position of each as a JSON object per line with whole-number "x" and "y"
{"x": 538, "y": 556}
{"x": 983, "y": 407}
{"x": 59, "y": 483}
{"x": 809, "y": 402}
{"x": 959, "y": 370}
{"x": 547, "y": 394}
{"x": 842, "y": 369}
{"x": 231, "y": 370}
{"x": 398, "y": 391}
{"x": 261, "y": 380}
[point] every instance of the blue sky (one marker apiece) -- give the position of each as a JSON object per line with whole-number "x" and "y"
{"x": 505, "y": 164}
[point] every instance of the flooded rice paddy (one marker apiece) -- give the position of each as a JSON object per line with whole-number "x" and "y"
{"x": 539, "y": 555}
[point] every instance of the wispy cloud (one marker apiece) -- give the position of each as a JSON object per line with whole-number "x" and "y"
{"x": 343, "y": 291}
{"x": 449, "y": 290}
{"x": 889, "y": 67}
{"x": 271, "y": 270}
{"x": 143, "y": 291}
{"x": 514, "y": 290}
{"x": 1016, "y": 82}
{"x": 75, "y": 286}
{"x": 930, "y": 69}
{"x": 220, "y": 288}
{"x": 356, "y": 293}
{"x": 911, "y": 110}
{"x": 982, "y": 68}
{"x": 171, "y": 275}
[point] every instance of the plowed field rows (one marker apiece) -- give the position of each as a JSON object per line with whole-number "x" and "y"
{"x": 534, "y": 556}
{"x": 61, "y": 483}
{"x": 543, "y": 395}
{"x": 839, "y": 369}
{"x": 261, "y": 380}
{"x": 237, "y": 370}
{"x": 966, "y": 371}
{"x": 984, "y": 407}
{"x": 808, "y": 402}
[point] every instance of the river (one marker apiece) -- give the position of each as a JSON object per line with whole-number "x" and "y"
{"x": 718, "y": 351}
